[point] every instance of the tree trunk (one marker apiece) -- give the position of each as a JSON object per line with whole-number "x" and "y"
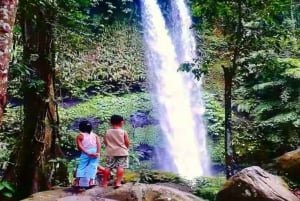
{"x": 8, "y": 10}
{"x": 229, "y": 73}
{"x": 229, "y": 157}
{"x": 38, "y": 143}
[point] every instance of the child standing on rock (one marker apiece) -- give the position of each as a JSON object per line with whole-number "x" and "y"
{"x": 116, "y": 141}
{"x": 89, "y": 145}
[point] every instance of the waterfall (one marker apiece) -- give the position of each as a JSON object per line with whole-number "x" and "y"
{"x": 185, "y": 44}
{"x": 176, "y": 95}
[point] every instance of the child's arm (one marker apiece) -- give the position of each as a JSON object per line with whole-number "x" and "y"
{"x": 79, "y": 139}
{"x": 126, "y": 140}
{"x": 98, "y": 145}
{"x": 104, "y": 139}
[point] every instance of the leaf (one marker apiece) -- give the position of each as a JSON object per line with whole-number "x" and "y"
{"x": 1, "y": 186}
{"x": 266, "y": 85}
{"x": 265, "y": 106}
{"x": 290, "y": 61}
{"x": 8, "y": 194}
{"x": 244, "y": 106}
{"x": 284, "y": 118}
{"x": 8, "y": 186}
{"x": 293, "y": 73}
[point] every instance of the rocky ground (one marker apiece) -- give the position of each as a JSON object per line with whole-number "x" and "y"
{"x": 128, "y": 192}
{"x": 250, "y": 184}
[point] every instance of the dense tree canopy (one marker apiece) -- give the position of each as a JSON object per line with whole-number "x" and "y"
{"x": 92, "y": 52}
{"x": 256, "y": 42}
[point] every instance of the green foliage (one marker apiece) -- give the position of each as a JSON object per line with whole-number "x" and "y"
{"x": 4, "y": 154}
{"x": 148, "y": 176}
{"x": 6, "y": 189}
{"x": 112, "y": 62}
{"x": 113, "y": 10}
{"x": 102, "y": 108}
{"x": 291, "y": 183}
{"x": 204, "y": 187}
{"x": 97, "y": 46}
{"x": 208, "y": 187}
{"x": 131, "y": 176}
{"x": 10, "y": 130}
{"x": 270, "y": 84}
{"x": 260, "y": 42}
{"x": 214, "y": 114}
{"x": 71, "y": 166}
{"x": 152, "y": 177}
{"x": 150, "y": 135}
{"x": 216, "y": 150}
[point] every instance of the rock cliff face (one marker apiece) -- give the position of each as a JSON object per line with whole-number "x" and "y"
{"x": 290, "y": 164}
{"x": 128, "y": 192}
{"x": 255, "y": 184}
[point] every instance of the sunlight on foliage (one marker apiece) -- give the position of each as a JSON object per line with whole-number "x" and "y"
{"x": 208, "y": 187}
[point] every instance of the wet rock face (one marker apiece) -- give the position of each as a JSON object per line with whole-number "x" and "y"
{"x": 141, "y": 119}
{"x": 94, "y": 121}
{"x": 70, "y": 102}
{"x": 255, "y": 184}
{"x": 146, "y": 151}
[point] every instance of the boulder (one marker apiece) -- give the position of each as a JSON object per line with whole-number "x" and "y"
{"x": 290, "y": 164}
{"x": 68, "y": 102}
{"x": 255, "y": 184}
{"x": 128, "y": 192}
{"x": 146, "y": 151}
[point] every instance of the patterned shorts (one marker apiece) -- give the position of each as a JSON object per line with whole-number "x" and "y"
{"x": 113, "y": 162}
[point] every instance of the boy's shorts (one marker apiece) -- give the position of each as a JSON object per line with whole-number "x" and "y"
{"x": 113, "y": 162}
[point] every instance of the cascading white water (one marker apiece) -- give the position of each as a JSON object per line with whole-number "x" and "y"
{"x": 185, "y": 45}
{"x": 174, "y": 92}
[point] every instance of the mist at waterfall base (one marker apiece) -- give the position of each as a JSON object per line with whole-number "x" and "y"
{"x": 176, "y": 95}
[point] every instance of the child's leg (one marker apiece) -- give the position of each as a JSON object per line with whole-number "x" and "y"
{"x": 105, "y": 178}
{"x": 100, "y": 169}
{"x": 119, "y": 176}
{"x": 76, "y": 182}
{"x": 92, "y": 182}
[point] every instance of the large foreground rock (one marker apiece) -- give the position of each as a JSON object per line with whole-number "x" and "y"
{"x": 290, "y": 164}
{"x": 128, "y": 192}
{"x": 255, "y": 184}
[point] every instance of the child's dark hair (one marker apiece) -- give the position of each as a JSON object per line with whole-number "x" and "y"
{"x": 116, "y": 119}
{"x": 85, "y": 126}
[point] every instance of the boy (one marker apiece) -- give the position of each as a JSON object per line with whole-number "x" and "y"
{"x": 117, "y": 143}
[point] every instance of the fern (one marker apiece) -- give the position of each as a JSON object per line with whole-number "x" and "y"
{"x": 293, "y": 105}
{"x": 265, "y": 106}
{"x": 284, "y": 118}
{"x": 293, "y": 67}
{"x": 268, "y": 85}
{"x": 290, "y": 61}
{"x": 149, "y": 135}
{"x": 292, "y": 73}
{"x": 245, "y": 105}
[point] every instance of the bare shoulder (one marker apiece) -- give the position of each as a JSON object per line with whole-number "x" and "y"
{"x": 79, "y": 136}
